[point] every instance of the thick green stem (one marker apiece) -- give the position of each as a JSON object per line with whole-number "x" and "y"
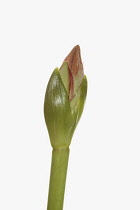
{"x": 58, "y": 178}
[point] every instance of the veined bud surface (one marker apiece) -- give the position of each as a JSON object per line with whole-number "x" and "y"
{"x": 64, "y": 99}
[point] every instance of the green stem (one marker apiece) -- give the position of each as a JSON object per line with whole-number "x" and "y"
{"x": 58, "y": 178}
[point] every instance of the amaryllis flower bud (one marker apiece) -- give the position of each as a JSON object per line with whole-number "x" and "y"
{"x": 64, "y": 99}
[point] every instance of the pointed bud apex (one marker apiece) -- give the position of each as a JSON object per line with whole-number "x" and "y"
{"x": 75, "y": 70}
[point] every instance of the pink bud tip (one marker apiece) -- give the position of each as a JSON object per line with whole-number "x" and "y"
{"x": 76, "y": 72}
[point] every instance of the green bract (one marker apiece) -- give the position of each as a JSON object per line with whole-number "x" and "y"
{"x": 61, "y": 113}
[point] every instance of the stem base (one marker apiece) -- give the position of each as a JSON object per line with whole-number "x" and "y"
{"x": 58, "y": 178}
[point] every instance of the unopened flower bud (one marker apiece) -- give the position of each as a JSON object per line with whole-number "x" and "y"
{"x": 64, "y": 99}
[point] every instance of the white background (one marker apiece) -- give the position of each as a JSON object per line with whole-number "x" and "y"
{"x": 104, "y": 165}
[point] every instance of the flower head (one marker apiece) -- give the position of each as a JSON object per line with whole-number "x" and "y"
{"x": 64, "y": 99}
